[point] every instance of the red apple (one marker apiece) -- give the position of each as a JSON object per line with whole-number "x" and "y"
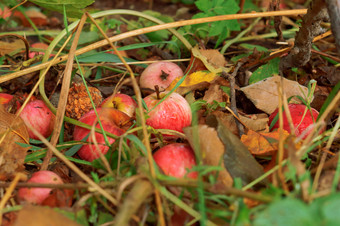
{"x": 175, "y": 160}
{"x": 300, "y": 123}
{"x": 173, "y": 113}
{"x": 161, "y": 74}
{"x": 38, "y": 195}
{"x": 39, "y": 116}
{"x": 38, "y": 45}
{"x": 113, "y": 121}
{"x": 121, "y": 102}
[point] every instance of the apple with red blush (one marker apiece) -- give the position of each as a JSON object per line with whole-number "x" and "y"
{"x": 175, "y": 160}
{"x": 37, "y": 115}
{"x": 173, "y": 113}
{"x": 112, "y": 120}
{"x": 35, "y": 195}
{"x": 301, "y": 122}
{"x": 161, "y": 74}
{"x": 121, "y": 102}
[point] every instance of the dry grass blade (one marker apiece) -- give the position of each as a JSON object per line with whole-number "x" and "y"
{"x": 63, "y": 94}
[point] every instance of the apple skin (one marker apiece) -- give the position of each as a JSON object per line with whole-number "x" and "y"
{"x": 175, "y": 159}
{"x": 38, "y": 115}
{"x": 300, "y": 123}
{"x": 113, "y": 121}
{"x": 160, "y": 74}
{"x": 173, "y": 113}
{"x": 38, "y": 195}
{"x": 121, "y": 102}
{"x": 37, "y": 45}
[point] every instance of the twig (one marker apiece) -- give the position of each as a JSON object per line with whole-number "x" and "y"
{"x": 310, "y": 27}
{"x": 333, "y": 7}
{"x": 231, "y": 78}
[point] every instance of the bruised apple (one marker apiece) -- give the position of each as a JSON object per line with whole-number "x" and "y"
{"x": 160, "y": 74}
{"x": 173, "y": 113}
{"x": 39, "y": 195}
{"x": 175, "y": 160}
{"x": 121, "y": 102}
{"x": 113, "y": 121}
{"x": 39, "y": 116}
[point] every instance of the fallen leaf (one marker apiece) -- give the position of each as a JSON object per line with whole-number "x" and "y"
{"x": 214, "y": 93}
{"x": 42, "y": 216}
{"x": 12, "y": 155}
{"x": 237, "y": 159}
{"x": 9, "y": 47}
{"x": 264, "y": 94}
{"x": 212, "y": 150}
{"x": 212, "y": 59}
{"x": 194, "y": 81}
{"x": 256, "y": 122}
{"x": 262, "y": 143}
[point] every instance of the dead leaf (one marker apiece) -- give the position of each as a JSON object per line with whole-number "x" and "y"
{"x": 212, "y": 59}
{"x": 42, "y": 216}
{"x": 214, "y": 93}
{"x": 194, "y": 81}
{"x": 237, "y": 159}
{"x": 8, "y": 47}
{"x": 256, "y": 122}
{"x": 38, "y": 18}
{"x": 212, "y": 150}
{"x": 262, "y": 143}
{"x": 264, "y": 94}
{"x": 12, "y": 155}
{"x": 228, "y": 120}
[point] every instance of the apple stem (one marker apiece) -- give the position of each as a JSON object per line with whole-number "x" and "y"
{"x": 157, "y": 92}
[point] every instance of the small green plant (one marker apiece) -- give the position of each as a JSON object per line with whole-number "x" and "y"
{"x": 220, "y": 29}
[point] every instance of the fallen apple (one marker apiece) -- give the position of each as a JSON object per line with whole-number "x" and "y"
{"x": 301, "y": 122}
{"x": 121, "y": 102}
{"x": 173, "y": 113}
{"x": 39, "y": 116}
{"x": 113, "y": 121}
{"x": 38, "y": 195}
{"x": 175, "y": 160}
{"x": 160, "y": 74}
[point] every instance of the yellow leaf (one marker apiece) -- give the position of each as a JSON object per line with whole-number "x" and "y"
{"x": 196, "y": 80}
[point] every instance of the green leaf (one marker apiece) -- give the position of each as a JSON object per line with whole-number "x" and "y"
{"x": 290, "y": 212}
{"x": 204, "y": 5}
{"x": 265, "y": 71}
{"x": 74, "y": 8}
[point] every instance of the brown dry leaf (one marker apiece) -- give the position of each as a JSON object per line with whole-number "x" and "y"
{"x": 256, "y": 122}
{"x": 212, "y": 59}
{"x": 262, "y": 143}
{"x": 8, "y": 47}
{"x": 196, "y": 80}
{"x": 42, "y": 216}
{"x": 214, "y": 93}
{"x": 12, "y": 155}
{"x": 264, "y": 94}
{"x": 212, "y": 150}
{"x": 228, "y": 120}
{"x": 237, "y": 159}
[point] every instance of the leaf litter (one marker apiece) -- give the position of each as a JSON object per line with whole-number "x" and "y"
{"x": 238, "y": 169}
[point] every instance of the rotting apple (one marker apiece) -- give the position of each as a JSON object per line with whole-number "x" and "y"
{"x": 161, "y": 74}
{"x": 38, "y": 195}
{"x": 175, "y": 160}
{"x": 39, "y": 116}
{"x": 121, "y": 102}
{"x": 301, "y": 122}
{"x": 112, "y": 120}
{"x": 173, "y": 113}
